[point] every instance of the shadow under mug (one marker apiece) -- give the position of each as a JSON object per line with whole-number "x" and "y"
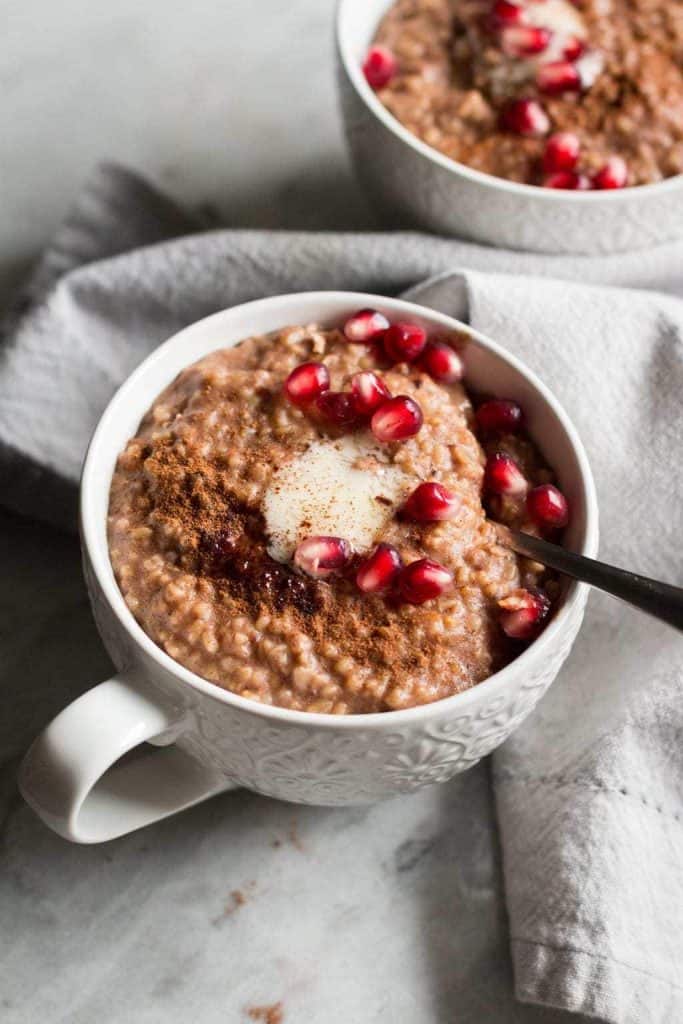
{"x": 80, "y": 775}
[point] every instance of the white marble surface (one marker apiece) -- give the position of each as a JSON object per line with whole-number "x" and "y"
{"x": 393, "y": 913}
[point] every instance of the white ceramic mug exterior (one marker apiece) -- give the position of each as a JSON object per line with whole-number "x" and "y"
{"x": 211, "y": 739}
{"x": 422, "y": 188}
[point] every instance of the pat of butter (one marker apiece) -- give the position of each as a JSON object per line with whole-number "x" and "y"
{"x": 324, "y": 492}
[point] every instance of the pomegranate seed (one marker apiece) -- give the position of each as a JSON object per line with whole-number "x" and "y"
{"x": 321, "y": 556}
{"x": 404, "y": 342}
{"x": 307, "y": 382}
{"x": 339, "y": 408}
{"x": 442, "y": 362}
{"x": 499, "y": 415}
{"x": 368, "y": 391}
{"x": 364, "y": 326}
{"x": 524, "y": 40}
{"x": 380, "y": 66}
{"x": 567, "y": 180}
{"x": 613, "y": 175}
{"x": 558, "y": 76}
{"x": 431, "y": 503}
{"x": 506, "y": 13}
{"x": 525, "y": 117}
{"x": 523, "y": 613}
{"x": 548, "y": 506}
{"x": 397, "y": 419}
{"x": 503, "y": 476}
{"x": 423, "y": 581}
{"x": 379, "y": 571}
{"x": 561, "y": 152}
{"x": 573, "y": 48}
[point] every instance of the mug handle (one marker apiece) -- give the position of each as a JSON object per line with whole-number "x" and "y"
{"x": 72, "y": 781}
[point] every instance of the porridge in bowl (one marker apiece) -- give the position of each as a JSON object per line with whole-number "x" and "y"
{"x": 572, "y": 95}
{"x": 308, "y": 519}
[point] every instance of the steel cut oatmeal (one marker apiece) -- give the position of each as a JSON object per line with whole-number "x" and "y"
{"x": 303, "y": 519}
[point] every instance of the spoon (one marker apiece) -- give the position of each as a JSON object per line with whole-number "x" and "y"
{"x": 662, "y": 600}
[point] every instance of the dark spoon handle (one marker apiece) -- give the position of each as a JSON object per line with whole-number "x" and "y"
{"x": 662, "y": 600}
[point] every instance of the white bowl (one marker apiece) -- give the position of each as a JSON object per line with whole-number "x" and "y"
{"x": 215, "y": 739}
{"x": 419, "y": 187}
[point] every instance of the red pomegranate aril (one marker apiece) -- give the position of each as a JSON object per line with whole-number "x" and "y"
{"x": 379, "y": 66}
{"x": 561, "y": 152}
{"x": 548, "y": 507}
{"x": 505, "y": 13}
{"x": 503, "y": 476}
{"x": 442, "y": 362}
{"x": 397, "y": 419}
{"x": 321, "y": 556}
{"x": 423, "y": 581}
{"x": 339, "y": 408}
{"x": 523, "y": 613}
{"x": 614, "y": 174}
{"x": 431, "y": 503}
{"x": 557, "y": 77}
{"x": 573, "y": 48}
{"x": 525, "y": 117}
{"x": 306, "y": 382}
{"x": 403, "y": 342}
{"x": 569, "y": 180}
{"x": 524, "y": 40}
{"x": 499, "y": 416}
{"x": 365, "y": 326}
{"x": 377, "y": 573}
{"x": 368, "y": 391}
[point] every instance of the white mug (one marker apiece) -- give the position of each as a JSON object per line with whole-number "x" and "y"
{"x": 210, "y": 739}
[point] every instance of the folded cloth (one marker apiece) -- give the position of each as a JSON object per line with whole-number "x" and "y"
{"x": 588, "y": 791}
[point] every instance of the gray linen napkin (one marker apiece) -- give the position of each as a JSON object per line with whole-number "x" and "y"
{"x": 588, "y": 791}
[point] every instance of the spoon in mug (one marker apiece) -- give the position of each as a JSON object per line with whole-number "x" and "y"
{"x": 662, "y": 600}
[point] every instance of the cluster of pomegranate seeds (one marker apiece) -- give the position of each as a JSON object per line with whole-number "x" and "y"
{"x": 548, "y": 507}
{"x": 379, "y": 66}
{"x": 568, "y": 67}
{"x": 561, "y": 155}
{"x": 378, "y": 573}
{"x": 390, "y": 418}
{"x": 306, "y": 382}
{"x": 523, "y": 613}
{"x": 321, "y": 556}
{"x": 499, "y": 416}
{"x": 503, "y": 476}
{"x": 424, "y": 580}
{"x": 431, "y": 503}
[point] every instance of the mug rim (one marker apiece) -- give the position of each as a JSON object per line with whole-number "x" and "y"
{"x": 98, "y": 554}
{"x": 354, "y": 74}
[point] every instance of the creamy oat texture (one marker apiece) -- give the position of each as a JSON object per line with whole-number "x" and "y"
{"x": 189, "y": 547}
{"x": 453, "y": 81}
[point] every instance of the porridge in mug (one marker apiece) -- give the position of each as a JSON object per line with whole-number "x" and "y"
{"x": 308, "y": 519}
{"x": 572, "y": 95}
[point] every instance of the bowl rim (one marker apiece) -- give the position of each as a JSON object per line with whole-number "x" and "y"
{"x": 369, "y": 98}
{"x": 98, "y": 553}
